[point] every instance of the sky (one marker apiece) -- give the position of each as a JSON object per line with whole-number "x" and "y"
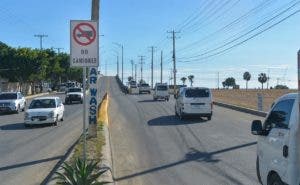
{"x": 214, "y": 36}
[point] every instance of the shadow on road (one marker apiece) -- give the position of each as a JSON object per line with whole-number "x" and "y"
{"x": 21, "y": 126}
{"x": 29, "y": 163}
{"x": 148, "y": 101}
{"x": 192, "y": 155}
{"x": 173, "y": 120}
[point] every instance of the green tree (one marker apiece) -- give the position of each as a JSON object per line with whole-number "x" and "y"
{"x": 183, "y": 79}
{"x": 247, "y": 77}
{"x": 191, "y": 79}
{"x": 229, "y": 82}
{"x": 262, "y": 78}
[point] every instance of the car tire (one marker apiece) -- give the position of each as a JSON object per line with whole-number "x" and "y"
{"x": 62, "y": 118}
{"x": 181, "y": 115}
{"x": 257, "y": 170}
{"x": 81, "y": 101}
{"x": 56, "y": 121}
{"x": 27, "y": 125}
{"x": 24, "y": 107}
{"x": 274, "y": 179}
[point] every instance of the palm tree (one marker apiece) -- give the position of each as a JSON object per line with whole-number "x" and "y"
{"x": 247, "y": 77}
{"x": 183, "y": 79}
{"x": 262, "y": 78}
{"x": 191, "y": 79}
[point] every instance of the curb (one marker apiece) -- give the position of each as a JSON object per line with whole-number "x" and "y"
{"x": 241, "y": 109}
{"x": 106, "y": 161}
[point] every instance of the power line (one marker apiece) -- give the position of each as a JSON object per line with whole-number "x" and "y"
{"x": 245, "y": 34}
{"x": 242, "y": 42}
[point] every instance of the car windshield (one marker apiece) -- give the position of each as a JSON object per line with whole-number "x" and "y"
{"x": 197, "y": 93}
{"x": 42, "y": 103}
{"x": 162, "y": 88}
{"x": 144, "y": 85}
{"x": 8, "y": 96}
{"x": 75, "y": 90}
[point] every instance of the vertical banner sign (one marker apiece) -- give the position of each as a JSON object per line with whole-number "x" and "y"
{"x": 85, "y": 53}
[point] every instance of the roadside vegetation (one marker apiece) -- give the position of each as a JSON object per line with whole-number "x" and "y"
{"x": 34, "y": 66}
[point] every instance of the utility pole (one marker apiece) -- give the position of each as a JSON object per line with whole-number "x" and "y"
{"x": 118, "y": 66}
{"x": 135, "y": 67}
{"x": 41, "y": 36}
{"x": 58, "y": 49}
{"x": 131, "y": 61}
{"x": 174, "y": 58}
{"x": 268, "y": 78}
{"x": 121, "y": 45}
{"x": 161, "y": 66}
{"x": 142, "y": 62}
{"x": 152, "y": 52}
{"x": 122, "y": 62}
{"x": 218, "y": 80}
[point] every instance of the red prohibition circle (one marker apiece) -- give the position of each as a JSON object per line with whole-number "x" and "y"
{"x": 90, "y": 40}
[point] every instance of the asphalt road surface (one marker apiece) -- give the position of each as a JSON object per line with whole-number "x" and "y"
{"x": 27, "y": 155}
{"x": 150, "y": 146}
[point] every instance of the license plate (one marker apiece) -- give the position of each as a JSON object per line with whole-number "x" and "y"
{"x": 196, "y": 106}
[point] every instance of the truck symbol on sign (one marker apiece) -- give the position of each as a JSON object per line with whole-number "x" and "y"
{"x": 85, "y": 34}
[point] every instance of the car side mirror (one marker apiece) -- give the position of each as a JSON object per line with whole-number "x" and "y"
{"x": 256, "y": 128}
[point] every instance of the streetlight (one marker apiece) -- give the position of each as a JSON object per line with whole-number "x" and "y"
{"x": 117, "y": 55}
{"x": 121, "y": 46}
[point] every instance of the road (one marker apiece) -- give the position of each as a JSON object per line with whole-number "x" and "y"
{"x": 29, "y": 154}
{"x": 150, "y": 146}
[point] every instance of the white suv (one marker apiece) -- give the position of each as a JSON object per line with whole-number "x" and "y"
{"x": 193, "y": 101}
{"x": 278, "y": 143}
{"x": 12, "y": 102}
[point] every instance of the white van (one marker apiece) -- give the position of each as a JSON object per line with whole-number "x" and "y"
{"x": 161, "y": 91}
{"x": 278, "y": 143}
{"x": 194, "y": 101}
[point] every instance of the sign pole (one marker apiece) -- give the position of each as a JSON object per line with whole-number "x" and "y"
{"x": 84, "y": 112}
{"x": 299, "y": 87}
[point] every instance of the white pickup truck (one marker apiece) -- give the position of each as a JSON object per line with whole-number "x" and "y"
{"x": 278, "y": 143}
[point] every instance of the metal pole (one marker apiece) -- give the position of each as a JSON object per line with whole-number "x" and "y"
{"x": 118, "y": 66}
{"x": 122, "y": 62}
{"x": 135, "y": 66}
{"x": 174, "y": 62}
{"x": 298, "y": 85}
{"x": 84, "y": 112}
{"x": 161, "y": 67}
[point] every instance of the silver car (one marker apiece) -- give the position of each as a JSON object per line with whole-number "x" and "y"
{"x": 12, "y": 102}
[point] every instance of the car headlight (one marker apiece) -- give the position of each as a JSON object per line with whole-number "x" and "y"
{"x": 51, "y": 114}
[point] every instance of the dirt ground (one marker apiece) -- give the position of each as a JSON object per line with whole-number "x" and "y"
{"x": 248, "y": 98}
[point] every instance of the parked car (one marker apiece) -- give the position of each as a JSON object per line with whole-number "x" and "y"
{"x": 278, "y": 143}
{"x": 194, "y": 101}
{"x": 144, "y": 88}
{"x": 161, "y": 91}
{"x": 74, "y": 94}
{"x": 44, "y": 110}
{"x": 12, "y": 102}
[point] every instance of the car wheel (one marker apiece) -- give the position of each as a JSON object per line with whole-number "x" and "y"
{"x": 81, "y": 101}
{"x": 181, "y": 116}
{"x": 274, "y": 179}
{"x": 24, "y": 107}
{"x": 62, "y": 118}
{"x": 257, "y": 170}
{"x": 27, "y": 125}
{"x": 56, "y": 121}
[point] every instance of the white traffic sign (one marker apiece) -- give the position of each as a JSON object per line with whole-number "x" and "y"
{"x": 84, "y": 43}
